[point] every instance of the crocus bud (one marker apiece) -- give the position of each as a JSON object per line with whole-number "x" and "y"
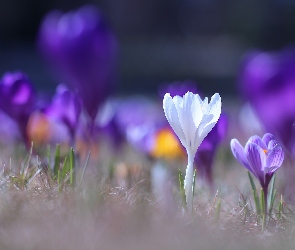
{"x": 81, "y": 48}
{"x": 17, "y": 99}
{"x": 65, "y": 107}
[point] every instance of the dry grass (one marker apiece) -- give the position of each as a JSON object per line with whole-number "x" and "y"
{"x": 119, "y": 211}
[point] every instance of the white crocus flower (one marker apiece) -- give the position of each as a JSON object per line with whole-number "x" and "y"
{"x": 192, "y": 119}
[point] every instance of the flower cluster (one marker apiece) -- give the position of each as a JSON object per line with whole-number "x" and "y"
{"x": 82, "y": 51}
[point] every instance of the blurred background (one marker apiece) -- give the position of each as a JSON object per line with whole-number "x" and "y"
{"x": 160, "y": 40}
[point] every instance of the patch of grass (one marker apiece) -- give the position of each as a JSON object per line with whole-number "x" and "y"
{"x": 66, "y": 205}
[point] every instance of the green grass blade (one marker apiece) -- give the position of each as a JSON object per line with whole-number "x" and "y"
{"x": 254, "y": 192}
{"x": 48, "y": 155}
{"x": 72, "y": 169}
{"x": 64, "y": 170}
{"x": 245, "y": 205}
{"x": 84, "y": 168}
{"x": 272, "y": 201}
{"x": 251, "y": 181}
{"x": 182, "y": 191}
{"x": 194, "y": 181}
{"x": 59, "y": 181}
{"x": 280, "y": 209}
{"x": 217, "y": 210}
{"x": 271, "y": 194}
{"x": 56, "y": 166}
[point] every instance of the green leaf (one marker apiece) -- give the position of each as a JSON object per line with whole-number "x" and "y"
{"x": 254, "y": 192}
{"x": 262, "y": 204}
{"x": 56, "y": 166}
{"x": 272, "y": 201}
{"x": 182, "y": 191}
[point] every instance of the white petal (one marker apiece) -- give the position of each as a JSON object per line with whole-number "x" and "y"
{"x": 190, "y": 103}
{"x": 210, "y": 119}
{"x": 215, "y": 107}
{"x": 199, "y": 98}
{"x": 204, "y": 132}
{"x": 205, "y": 105}
{"x": 172, "y": 117}
{"x": 197, "y": 111}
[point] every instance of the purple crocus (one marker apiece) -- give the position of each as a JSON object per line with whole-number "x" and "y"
{"x": 267, "y": 81}
{"x": 65, "y": 107}
{"x": 17, "y": 100}
{"x": 262, "y": 157}
{"x": 83, "y": 51}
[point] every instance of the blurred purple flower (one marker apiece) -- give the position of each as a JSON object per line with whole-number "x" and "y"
{"x": 178, "y": 88}
{"x": 207, "y": 150}
{"x": 82, "y": 49}
{"x": 9, "y": 131}
{"x": 66, "y": 107}
{"x": 262, "y": 157}
{"x": 138, "y": 119}
{"x": 43, "y": 130}
{"x": 267, "y": 81}
{"x": 17, "y": 99}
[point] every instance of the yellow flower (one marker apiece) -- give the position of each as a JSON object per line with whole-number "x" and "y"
{"x": 167, "y": 145}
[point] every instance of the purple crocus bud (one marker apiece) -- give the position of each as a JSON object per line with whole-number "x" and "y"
{"x": 82, "y": 49}
{"x": 262, "y": 157}
{"x": 207, "y": 150}
{"x": 66, "y": 107}
{"x": 17, "y": 99}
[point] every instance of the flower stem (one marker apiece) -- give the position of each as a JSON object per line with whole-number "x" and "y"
{"x": 264, "y": 215}
{"x": 188, "y": 183}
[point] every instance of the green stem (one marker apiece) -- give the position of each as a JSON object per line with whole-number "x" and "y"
{"x": 264, "y": 215}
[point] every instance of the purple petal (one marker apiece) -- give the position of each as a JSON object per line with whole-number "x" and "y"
{"x": 267, "y": 138}
{"x": 258, "y": 141}
{"x": 272, "y": 144}
{"x": 82, "y": 49}
{"x": 222, "y": 126}
{"x": 256, "y": 158}
{"x": 239, "y": 153}
{"x": 275, "y": 159}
